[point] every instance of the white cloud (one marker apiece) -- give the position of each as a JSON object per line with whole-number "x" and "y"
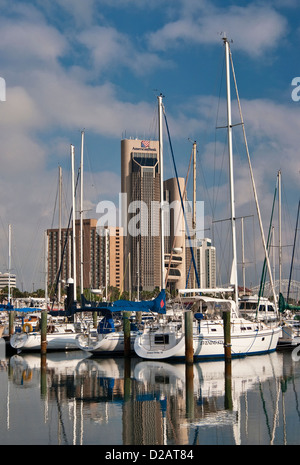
{"x": 24, "y": 42}
{"x": 112, "y": 49}
{"x": 20, "y": 110}
{"x": 254, "y": 29}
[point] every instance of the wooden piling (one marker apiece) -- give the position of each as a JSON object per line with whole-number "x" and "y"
{"x": 126, "y": 329}
{"x": 44, "y": 333}
{"x": 188, "y": 325}
{"x": 227, "y": 354}
{"x": 11, "y": 317}
{"x": 227, "y": 335}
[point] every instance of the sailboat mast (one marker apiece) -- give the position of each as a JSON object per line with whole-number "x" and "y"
{"x": 9, "y": 261}
{"x": 73, "y": 222}
{"x": 46, "y": 268}
{"x": 59, "y": 230}
{"x": 234, "y": 279}
{"x": 194, "y": 209}
{"x": 160, "y": 133}
{"x": 81, "y": 213}
{"x": 194, "y": 185}
{"x": 243, "y": 256}
{"x": 279, "y": 229}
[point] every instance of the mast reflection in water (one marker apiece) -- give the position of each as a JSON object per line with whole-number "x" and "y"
{"x": 73, "y": 399}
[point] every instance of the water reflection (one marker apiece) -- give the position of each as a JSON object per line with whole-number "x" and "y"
{"x": 73, "y": 399}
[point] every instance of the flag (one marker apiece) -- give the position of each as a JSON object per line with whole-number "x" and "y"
{"x": 145, "y": 143}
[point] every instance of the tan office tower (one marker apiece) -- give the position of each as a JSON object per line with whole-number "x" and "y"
{"x": 140, "y": 185}
{"x": 102, "y": 255}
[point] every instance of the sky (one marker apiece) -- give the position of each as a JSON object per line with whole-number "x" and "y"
{"x": 98, "y": 66}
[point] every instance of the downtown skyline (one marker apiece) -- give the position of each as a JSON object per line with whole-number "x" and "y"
{"x": 99, "y": 65}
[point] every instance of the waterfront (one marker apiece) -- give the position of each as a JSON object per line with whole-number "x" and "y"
{"x": 93, "y": 401}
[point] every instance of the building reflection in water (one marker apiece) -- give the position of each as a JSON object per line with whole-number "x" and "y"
{"x": 155, "y": 402}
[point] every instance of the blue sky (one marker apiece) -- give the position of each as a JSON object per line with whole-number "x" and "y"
{"x": 99, "y": 65}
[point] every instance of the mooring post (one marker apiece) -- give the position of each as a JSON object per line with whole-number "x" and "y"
{"x": 227, "y": 335}
{"x": 44, "y": 332}
{"x": 188, "y": 330}
{"x": 126, "y": 329}
{"x": 227, "y": 354}
{"x": 11, "y": 317}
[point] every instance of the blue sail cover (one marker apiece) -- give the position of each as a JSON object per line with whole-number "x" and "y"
{"x": 157, "y": 305}
{"x": 6, "y": 307}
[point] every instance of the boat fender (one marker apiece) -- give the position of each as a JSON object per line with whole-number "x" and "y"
{"x": 27, "y": 328}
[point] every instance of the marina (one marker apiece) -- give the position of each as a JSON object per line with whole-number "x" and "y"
{"x": 73, "y": 399}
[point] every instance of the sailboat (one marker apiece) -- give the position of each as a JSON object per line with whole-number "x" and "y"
{"x": 60, "y": 335}
{"x": 108, "y": 337}
{"x": 247, "y": 337}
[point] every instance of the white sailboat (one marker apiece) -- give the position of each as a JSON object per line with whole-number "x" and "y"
{"x": 59, "y": 337}
{"x": 247, "y": 337}
{"x": 108, "y": 337}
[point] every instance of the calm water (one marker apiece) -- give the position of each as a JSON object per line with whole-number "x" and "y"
{"x": 78, "y": 400}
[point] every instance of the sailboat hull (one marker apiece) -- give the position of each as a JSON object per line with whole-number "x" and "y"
{"x": 32, "y": 341}
{"x": 105, "y": 344}
{"x": 210, "y": 344}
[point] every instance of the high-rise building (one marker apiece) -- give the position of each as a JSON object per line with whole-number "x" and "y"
{"x": 141, "y": 213}
{"x": 140, "y": 182}
{"x": 102, "y": 255}
{"x": 206, "y": 264}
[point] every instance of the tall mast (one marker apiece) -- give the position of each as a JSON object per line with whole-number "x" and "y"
{"x": 160, "y": 134}
{"x": 81, "y": 214}
{"x": 194, "y": 209}
{"x": 194, "y": 185}
{"x": 138, "y": 270}
{"x": 9, "y": 261}
{"x": 279, "y": 229}
{"x": 73, "y": 218}
{"x": 243, "y": 256}
{"x": 46, "y": 269}
{"x": 234, "y": 278}
{"x": 59, "y": 229}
